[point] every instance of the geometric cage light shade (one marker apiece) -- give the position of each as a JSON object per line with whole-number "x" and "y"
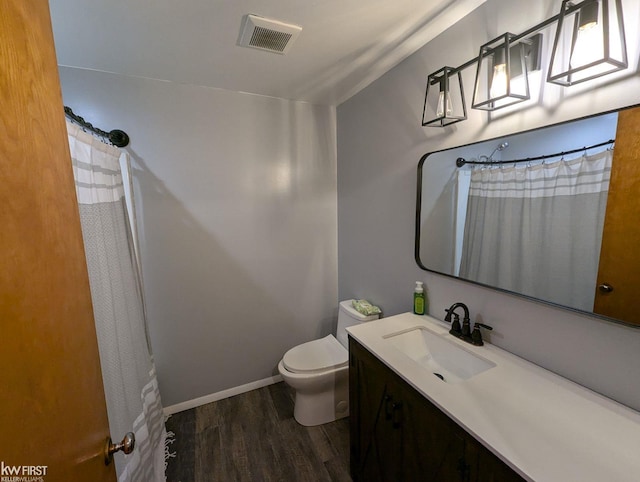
{"x": 589, "y": 42}
{"x": 501, "y": 74}
{"x": 444, "y": 102}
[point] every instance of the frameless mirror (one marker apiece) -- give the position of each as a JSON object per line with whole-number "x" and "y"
{"x": 550, "y": 225}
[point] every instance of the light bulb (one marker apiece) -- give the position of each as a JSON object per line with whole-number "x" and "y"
{"x": 499, "y": 81}
{"x": 588, "y": 47}
{"x": 440, "y": 110}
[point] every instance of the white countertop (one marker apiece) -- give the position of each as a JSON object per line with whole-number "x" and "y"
{"x": 545, "y": 427}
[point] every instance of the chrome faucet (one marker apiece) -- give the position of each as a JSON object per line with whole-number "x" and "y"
{"x": 464, "y": 332}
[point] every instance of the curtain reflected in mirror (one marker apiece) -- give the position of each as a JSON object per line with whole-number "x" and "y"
{"x": 528, "y": 226}
{"x": 537, "y": 229}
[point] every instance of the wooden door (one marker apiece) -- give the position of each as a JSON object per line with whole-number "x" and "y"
{"x": 433, "y": 445}
{"x": 373, "y": 407}
{"x": 620, "y": 256}
{"x": 53, "y": 420}
{"x": 484, "y": 466}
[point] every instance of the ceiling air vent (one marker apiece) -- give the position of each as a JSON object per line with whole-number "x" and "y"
{"x": 265, "y": 34}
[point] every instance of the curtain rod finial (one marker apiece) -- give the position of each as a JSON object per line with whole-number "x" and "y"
{"x": 119, "y": 138}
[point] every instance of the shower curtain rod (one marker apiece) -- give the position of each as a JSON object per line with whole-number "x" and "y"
{"x": 461, "y": 161}
{"x": 116, "y": 137}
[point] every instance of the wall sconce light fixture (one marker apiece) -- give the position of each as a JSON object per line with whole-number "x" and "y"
{"x": 589, "y": 43}
{"x": 502, "y": 73}
{"x": 444, "y": 100}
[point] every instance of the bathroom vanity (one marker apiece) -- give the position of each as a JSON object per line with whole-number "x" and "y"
{"x": 397, "y": 434}
{"x": 427, "y": 406}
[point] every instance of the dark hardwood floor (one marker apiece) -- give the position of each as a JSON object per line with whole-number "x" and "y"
{"x": 254, "y": 437}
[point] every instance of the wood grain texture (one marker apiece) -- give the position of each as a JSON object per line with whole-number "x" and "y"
{"x": 52, "y": 408}
{"x": 254, "y": 437}
{"x": 619, "y": 256}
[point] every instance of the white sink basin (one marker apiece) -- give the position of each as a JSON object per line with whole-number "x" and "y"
{"x": 445, "y": 359}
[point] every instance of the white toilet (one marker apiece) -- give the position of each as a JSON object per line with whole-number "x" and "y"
{"x": 319, "y": 372}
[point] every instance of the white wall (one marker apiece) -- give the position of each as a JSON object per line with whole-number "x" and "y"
{"x": 380, "y": 141}
{"x": 237, "y": 211}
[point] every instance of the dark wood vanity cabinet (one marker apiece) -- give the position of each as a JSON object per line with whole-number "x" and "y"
{"x": 398, "y": 435}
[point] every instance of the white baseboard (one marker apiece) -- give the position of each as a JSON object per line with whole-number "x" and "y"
{"x": 214, "y": 397}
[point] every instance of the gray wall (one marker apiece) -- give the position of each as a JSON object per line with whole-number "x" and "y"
{"x": 237, "y": 212}
{"x": 380, "y": 141}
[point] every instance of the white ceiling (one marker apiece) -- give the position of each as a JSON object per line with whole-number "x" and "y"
{"x": 343, "y": 47}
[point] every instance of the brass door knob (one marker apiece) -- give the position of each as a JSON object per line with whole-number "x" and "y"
{"x": 127, "y": 445}
{"x": 605, "y": 288}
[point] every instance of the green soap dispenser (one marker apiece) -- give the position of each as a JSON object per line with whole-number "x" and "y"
{"x": 419, "y": 300}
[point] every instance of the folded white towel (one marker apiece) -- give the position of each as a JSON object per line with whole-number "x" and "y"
{"x": 365, "y": 308}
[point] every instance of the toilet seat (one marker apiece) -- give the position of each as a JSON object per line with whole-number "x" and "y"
{"x": 316, "y": 356}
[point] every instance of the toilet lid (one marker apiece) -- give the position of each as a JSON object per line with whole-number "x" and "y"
{"x": 316, "y": 356}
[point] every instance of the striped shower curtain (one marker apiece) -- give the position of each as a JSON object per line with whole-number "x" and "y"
{"x": 131, "y": 389}
{"x": 537, "y": 230}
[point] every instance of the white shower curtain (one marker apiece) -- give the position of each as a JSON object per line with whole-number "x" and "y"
{"x": 131, "y": 389}
{"x": 537, "y": 230}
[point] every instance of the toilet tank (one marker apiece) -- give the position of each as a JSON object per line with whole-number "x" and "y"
{"x": 348, "y": 316}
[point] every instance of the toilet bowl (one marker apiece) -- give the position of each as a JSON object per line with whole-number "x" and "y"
{"x": 319, "y": 372}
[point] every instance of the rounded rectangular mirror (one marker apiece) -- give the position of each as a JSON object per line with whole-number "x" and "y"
{"x": 550, "y": 214}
